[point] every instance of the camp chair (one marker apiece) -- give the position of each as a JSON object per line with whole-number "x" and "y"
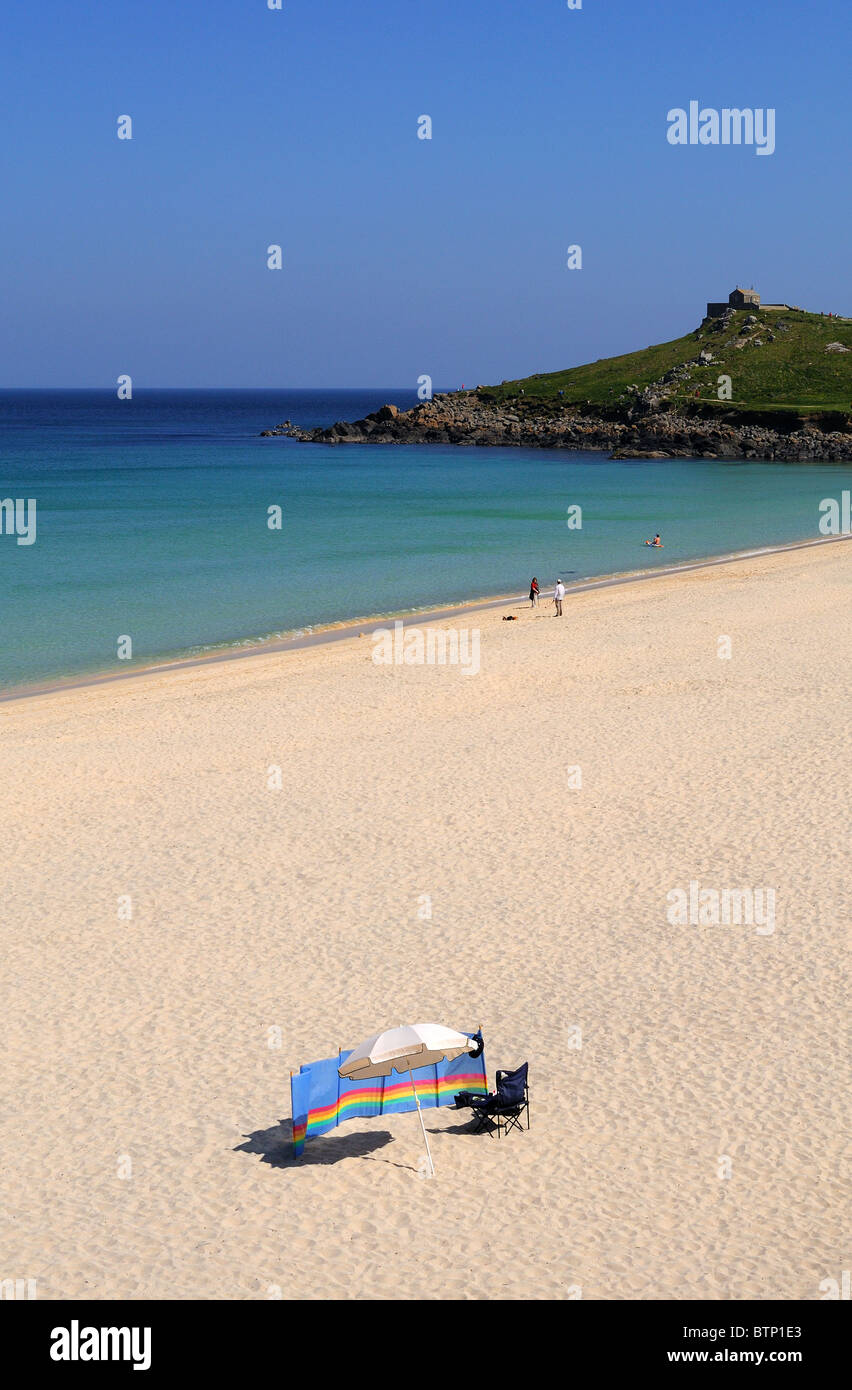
{"x": 505, "y": 1106}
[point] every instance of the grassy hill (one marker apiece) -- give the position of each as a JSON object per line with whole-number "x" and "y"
{"x": 778, "y": 363}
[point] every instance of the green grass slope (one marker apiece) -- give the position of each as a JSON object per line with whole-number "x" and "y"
{"x": 779, "y": 363}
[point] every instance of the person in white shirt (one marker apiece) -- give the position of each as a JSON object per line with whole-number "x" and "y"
{"x": 558, "y": 596}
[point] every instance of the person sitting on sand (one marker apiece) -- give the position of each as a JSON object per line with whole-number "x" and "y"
{"x": 534, "y": 593}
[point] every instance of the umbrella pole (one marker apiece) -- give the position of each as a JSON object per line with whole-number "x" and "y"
{"x": 422, "y": 1126}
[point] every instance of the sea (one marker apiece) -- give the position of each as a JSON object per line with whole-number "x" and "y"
{"x": 167, "y": 520}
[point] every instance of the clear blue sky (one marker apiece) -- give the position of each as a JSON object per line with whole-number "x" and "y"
{"x": 403, "y": 256}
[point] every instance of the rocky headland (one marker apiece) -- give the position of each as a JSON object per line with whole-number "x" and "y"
{"x": 648, "y": 427}
{"x": 722, "y": 391}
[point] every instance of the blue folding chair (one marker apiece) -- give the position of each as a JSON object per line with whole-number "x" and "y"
{"x": 506, "y": 1106}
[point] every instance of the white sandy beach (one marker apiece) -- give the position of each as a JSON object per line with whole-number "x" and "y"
{"x": 143, "y": 1045}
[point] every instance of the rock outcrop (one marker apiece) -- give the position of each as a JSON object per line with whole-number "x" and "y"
{"x": 642, "y": 425}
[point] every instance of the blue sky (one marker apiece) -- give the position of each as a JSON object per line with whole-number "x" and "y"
{"x": 403, "y": 256}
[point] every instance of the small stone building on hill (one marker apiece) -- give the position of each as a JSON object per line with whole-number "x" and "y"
{"x": 737, "y": 299}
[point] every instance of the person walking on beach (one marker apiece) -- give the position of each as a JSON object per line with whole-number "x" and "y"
{"x": 558, "y": 596}
{"x": 534, "y": 593}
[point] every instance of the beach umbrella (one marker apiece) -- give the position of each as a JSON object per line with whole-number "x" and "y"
{"x": 400, "y": 1049}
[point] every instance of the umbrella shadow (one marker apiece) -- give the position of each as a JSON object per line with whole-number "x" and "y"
{"x": 275, "y": 1146}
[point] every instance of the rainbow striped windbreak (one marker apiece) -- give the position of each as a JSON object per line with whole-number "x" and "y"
{"x": 322, "y": 1099}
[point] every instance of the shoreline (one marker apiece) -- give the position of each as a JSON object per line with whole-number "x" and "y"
{"x": 357, "y": 627}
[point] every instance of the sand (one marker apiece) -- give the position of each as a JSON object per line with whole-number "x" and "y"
{"x": 144, "y": 1105}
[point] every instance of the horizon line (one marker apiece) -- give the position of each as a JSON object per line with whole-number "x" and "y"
{"x": 110, "y": 390}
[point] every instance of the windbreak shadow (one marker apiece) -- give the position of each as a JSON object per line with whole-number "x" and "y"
{"x": 275, "y": 1146}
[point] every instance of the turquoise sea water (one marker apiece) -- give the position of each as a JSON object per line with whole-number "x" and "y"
{"x": 152, "y": 521}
